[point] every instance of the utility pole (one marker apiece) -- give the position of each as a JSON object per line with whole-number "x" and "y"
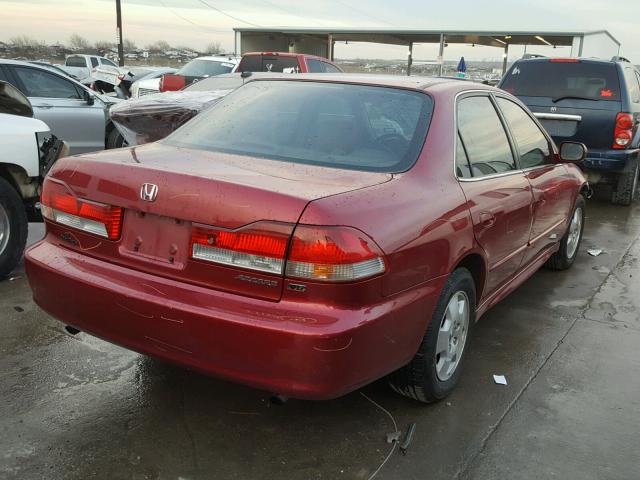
{"x": 119, "y": 34}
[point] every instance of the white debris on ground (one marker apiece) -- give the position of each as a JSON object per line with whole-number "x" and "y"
{"x": 594, "y": 252}
{"x": 500, "y": 379}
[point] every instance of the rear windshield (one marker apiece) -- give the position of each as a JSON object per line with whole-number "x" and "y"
{"x": 76, "y": 62}
{"x": 205, "y": 68}
{"x": 265, "y": 63}
{"x": 563, "y": 80}
{"x": 328, "y": 124}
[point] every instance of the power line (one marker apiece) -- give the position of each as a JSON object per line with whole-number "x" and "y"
{"x": 228, "y": 15}
{"x": 189, "y": 21}
{"x": 366, "y": 14}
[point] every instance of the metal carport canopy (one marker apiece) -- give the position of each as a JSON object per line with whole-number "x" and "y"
{"x": 325, "y": 38}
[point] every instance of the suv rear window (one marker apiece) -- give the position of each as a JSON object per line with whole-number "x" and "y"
{"x": 560, "y": 80}
{"x": 356, "y": 127}
{"x": 271, "y": 63}
{"x": 76, "y": 62}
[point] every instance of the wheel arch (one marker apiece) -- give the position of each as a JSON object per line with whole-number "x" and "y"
{"x": 9, "y": 171}
{"x": 475, "y": 263}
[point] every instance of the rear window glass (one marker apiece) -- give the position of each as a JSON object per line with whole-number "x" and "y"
{"x": 335, "y": 125}
{"x": 76, "y": 62}
{"x": 205, "y": 68}
{"x": 264, "y": 63}
{"x": 560, "y": 80}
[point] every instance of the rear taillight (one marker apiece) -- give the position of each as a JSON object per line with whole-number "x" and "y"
{"x": 261, "y": 246}
{"x": 172, "y": 83}
{"x": 61, "y": 206}
{"x": 329, "y": 254}
{"x": 624, "y": 131}
{"x": 121, "y": 77}
{"x": 333, "y": 254}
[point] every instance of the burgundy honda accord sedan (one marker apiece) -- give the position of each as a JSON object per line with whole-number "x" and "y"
{"x": 307, "y": 236}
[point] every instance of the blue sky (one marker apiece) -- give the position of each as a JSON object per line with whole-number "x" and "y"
{"x": 195, "y": 23}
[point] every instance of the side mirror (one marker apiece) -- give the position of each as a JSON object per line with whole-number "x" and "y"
{"x": 572, "y": 152}
{"x": 88, "y": 97}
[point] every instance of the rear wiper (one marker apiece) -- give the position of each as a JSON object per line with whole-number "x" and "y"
{"x": 566, "y": 97}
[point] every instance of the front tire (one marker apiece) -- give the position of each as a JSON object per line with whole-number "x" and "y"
{"x": 115, "y": 139}
{"x": 13, "y": 228}
{"x": 435, "y": 369}
{"x": 570, "y": 242}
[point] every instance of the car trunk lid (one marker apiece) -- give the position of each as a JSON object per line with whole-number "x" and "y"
{"x": 198, "y": 188}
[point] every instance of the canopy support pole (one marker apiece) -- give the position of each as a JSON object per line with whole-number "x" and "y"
{"x": 441, "y": 55}
{"x": 505, "y": 58}
{"x": 410, "y": 59}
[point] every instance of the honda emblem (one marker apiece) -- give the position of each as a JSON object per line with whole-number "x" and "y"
{"x": 148, "y": 192}
{"x": 553, "y": 109}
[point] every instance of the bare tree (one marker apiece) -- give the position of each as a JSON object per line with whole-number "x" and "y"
{"x": 24, "y": 42}
{"x": 129, "y": 45}
{"x": 213, "y": 48}
{"x": 76, "y": 42}
{"x": 160, "y": 45}
{"x": 102, "y": 45}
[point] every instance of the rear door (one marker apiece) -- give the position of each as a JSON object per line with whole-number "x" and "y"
{"x": 575, "y": 100}
{"x": 498, "y": 193}
{"x": 59, "y": 103}
{"x": 552, "y": 187}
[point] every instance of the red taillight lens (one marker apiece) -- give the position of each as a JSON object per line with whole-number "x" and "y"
{"x": 121, "y": 76}
{"x": 335, "y": 254}
{"x": 61, "y": 206}
{"x": 260, "y": 246}
{"x": 624, "y": 131}
{"x": 172, "y": 83}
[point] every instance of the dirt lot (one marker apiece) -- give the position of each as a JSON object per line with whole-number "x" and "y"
{"x": 75, "y": 407}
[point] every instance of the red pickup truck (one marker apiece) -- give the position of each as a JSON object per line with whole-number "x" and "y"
{"x": 284, "y": 62}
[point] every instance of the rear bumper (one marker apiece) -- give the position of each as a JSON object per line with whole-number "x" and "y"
{"x": 297, "y": 349}
{"x": 609, "y": 160}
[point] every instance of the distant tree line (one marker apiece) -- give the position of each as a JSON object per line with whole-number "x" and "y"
{"x": 24, "y": 45}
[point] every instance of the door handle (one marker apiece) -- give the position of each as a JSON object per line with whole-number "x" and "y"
{"x": 487, "y": 219}
{"x": 541, "y": 200}
{"x": 45, "y": 106}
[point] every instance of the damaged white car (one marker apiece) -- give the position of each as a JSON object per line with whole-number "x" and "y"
{"x": 27, "y": 151}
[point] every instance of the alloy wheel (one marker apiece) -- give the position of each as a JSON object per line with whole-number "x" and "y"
{"x": 452, "y": 336}
{"x": 575, "y": 230}
{"x": 5, "y": 229}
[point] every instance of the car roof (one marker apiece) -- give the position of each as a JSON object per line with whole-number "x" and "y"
{"x": 394, "y": 81}
{"x": 286, "y": 54}
{"x": 219, "y": 58}
{"x": 591, "y": 60}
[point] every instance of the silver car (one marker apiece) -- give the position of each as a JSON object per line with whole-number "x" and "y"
{"x": 73, "y": 112}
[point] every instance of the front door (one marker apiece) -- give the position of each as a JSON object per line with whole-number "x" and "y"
{"x": 498, "y": 193}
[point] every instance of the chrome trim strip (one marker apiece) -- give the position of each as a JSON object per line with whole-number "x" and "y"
{"x": 557, "y": 116}
{"x": 546, "y": 232}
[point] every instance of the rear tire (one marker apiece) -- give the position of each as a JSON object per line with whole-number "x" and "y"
{"x": 428, "y": 378}
{"x": 13, "y": 228}
{"x": 625, "y": 192}
{"x": 569, "y": 243}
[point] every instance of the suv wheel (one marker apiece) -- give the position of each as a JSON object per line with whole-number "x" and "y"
{"x": 13, "y": 228}
{"x": 625, "y": 191}
{"x": 434, "y": 371}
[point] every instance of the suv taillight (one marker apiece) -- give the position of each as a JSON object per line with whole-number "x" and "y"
{"x": 172, "y": 83}
{"x": 326, "y": 254}
{"x": 624, "y": 131}
{"x": 61, "y": 206}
